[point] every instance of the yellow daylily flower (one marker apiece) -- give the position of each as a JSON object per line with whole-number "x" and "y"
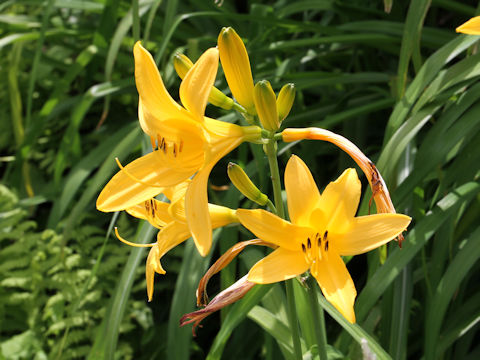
{"x": 380, "y": 192}
{"x": 471, "y": 27}
{"x": 184, "y": 142}
{"x": 322, "y": 229}
{"x": 171, "y": 220}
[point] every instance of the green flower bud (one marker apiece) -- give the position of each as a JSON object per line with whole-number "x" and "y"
{"x": 182, "y": 64}
{"x": 285, "y": 101}
{"x": 265, "y": 103}
{"x": 243, "y": 183}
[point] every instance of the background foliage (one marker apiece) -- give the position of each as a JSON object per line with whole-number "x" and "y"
{"x": 400, "y": 84}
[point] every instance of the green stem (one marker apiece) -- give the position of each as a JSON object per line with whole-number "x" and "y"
{"x": 318, "y": 319}
{"x": 271, "y": 206}
{"x": 271, "y": 151}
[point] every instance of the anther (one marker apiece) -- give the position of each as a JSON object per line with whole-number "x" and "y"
{"x": 175, "y": 150}
{"x": 303, "y": 248}
{"x": 325, "y": 235}
{"x": 326, "y": 245}
{"x": 309, "y": 243}
{"x": 181, "y": 146}
{"x": 161, "y": 143}
{"x": 152, "y": 206}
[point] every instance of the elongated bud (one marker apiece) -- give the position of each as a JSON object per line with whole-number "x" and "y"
{"x": 182, "y": 64}
{"x": 236, "y": 66}
{"x": 243, "y": 183}
{"x": 266, "y": 105}
{"x": 285, "y": 101}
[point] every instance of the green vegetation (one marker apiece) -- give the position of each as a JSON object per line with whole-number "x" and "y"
{"x": 403, "y": 86}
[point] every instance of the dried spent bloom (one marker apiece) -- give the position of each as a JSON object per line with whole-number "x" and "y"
{"x": 228, "y": 296}
{"x": 322, "y": 229}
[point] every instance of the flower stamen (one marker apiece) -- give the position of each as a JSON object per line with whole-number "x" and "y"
{"x": 131, "y": 243}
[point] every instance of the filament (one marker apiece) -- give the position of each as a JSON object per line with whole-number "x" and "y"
{"x": 131, "y": 243}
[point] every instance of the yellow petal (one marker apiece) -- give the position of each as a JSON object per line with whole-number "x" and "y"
{"x": 471, "y": 27}
{"x": 123, "y": 192}
{"x": 196, "y": 209}
{"x": 151, "y": 89}
{"x": 273, "y": 229}
{"x": 236, "y": 67}
{"x": 280, "y": 265}
{"x": 221, "y": 215}
{"x": 154, "y": 211}
{"x": 302, "y": 192}
{"x": 181, "y": 139}
{"x": 336, "y": 284}
{"x": 152, "y": 266}
{"x": 169, "y": 237}
{"x": 369, "y": 232}
{"x": 339, "y": 201}
{"x": 177, "y": 201}
{"x": 197, "y": 84}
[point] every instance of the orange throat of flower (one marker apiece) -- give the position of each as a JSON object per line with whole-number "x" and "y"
{"x": 314, "y": 249}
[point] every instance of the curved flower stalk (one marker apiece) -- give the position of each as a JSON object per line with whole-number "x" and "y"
{"x": 471, "y": 27}
{"x": 170, "y": 219}
{"x": 322, "y": 229}
{"x": 184, "y": 142}
{"x": 380, "y": 192}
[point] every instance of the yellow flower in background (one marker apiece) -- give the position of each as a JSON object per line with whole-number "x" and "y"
{"x": 322, "y": 229}
{"x": 184, "y": 142}
{"x": 171, "y": 220}
{"x": 471, "y": 27}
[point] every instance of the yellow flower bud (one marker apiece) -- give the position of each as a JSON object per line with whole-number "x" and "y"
{"x": 236, "y": 66}
{"x": 243, "y": 183}
{"x": 182, "y": 64}
{"x": 285, "y": 101}
{"x": 266, "y": 105}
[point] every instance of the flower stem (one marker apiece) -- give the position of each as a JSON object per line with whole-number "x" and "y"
{"x": 318, "y": 319}
{"x": 271, "y": 151}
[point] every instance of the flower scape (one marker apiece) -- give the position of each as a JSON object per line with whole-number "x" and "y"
{"x": 321, "y": 227}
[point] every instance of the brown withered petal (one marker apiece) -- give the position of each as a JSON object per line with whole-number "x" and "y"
{"x": 380, "y": 192}
{"x": 224, "y": 260}
{"x": 228, "y": 296}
